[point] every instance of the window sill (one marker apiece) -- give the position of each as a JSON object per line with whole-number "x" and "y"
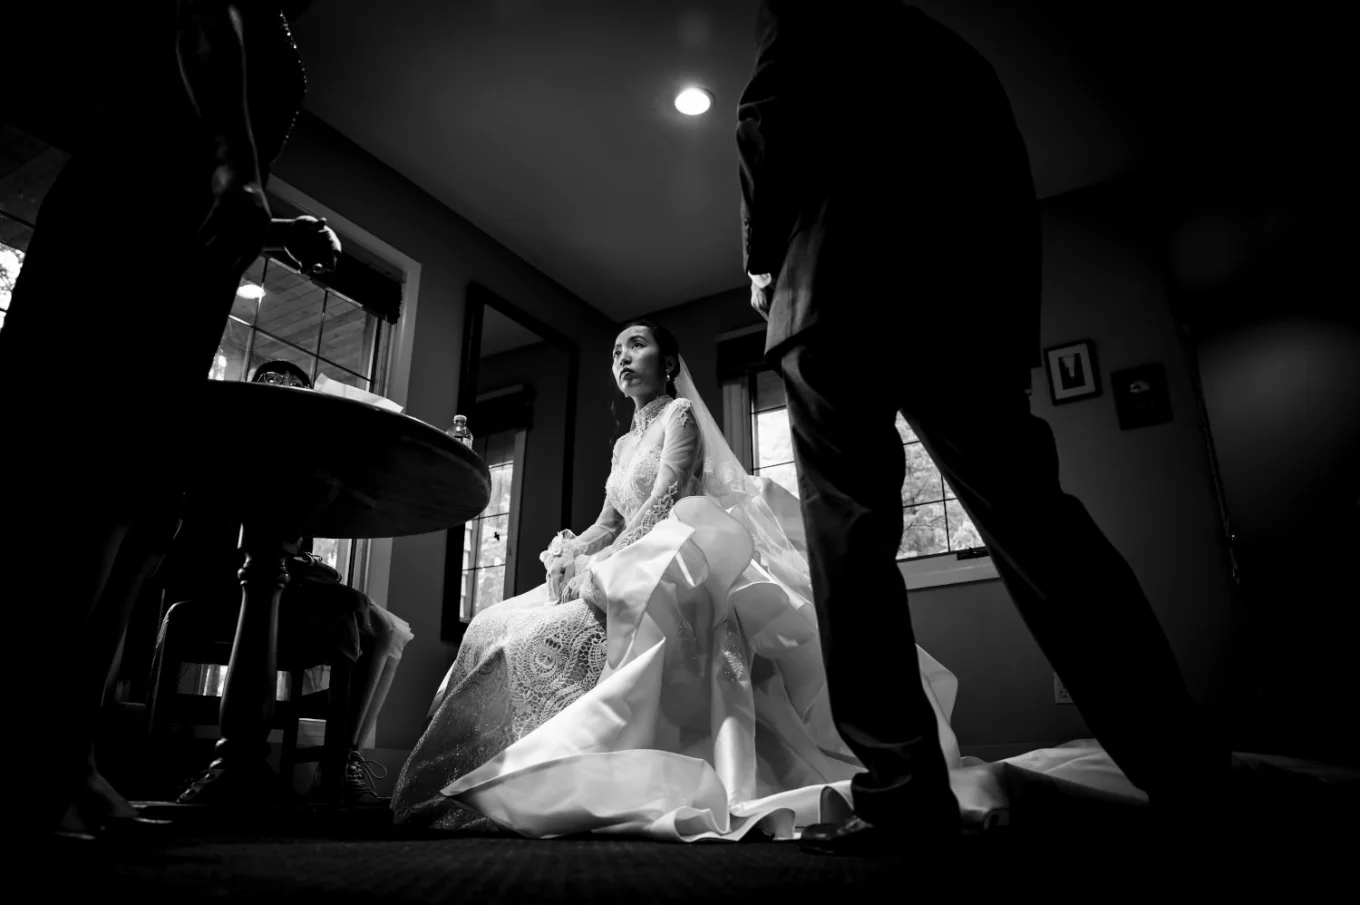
{"x": 937, "y": 571}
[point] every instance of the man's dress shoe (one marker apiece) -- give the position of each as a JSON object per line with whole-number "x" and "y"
{"x": 857, "y": 836}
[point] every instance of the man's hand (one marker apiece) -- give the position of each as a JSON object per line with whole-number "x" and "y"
{"x": 234, "y": 231}
{"x": 762, "y": 298}
{"x": 312, "y": 245}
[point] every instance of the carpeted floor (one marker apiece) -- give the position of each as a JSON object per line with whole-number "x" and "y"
{"x": 1057, "y": 847}
{"x": 200, "y": 865}
{"x": 398, "y": 870}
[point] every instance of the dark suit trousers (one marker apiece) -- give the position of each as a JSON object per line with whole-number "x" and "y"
{"x": 1075, "y": 592}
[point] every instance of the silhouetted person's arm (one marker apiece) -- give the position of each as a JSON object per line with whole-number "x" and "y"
{"x": 775, "y": 138}
{"x": 306, "y": 242}
{"x": 211, "y": 48}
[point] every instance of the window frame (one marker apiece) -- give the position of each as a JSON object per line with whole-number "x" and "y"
{"x": 920, "y": 572}
{"x": 472, "y": 547}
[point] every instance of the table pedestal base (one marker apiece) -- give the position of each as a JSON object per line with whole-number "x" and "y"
{"x": 243, "y": 775}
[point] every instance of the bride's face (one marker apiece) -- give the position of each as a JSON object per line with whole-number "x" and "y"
{"x": 639, "y": 368}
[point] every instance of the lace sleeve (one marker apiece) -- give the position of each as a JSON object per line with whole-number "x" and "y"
{"x": 569, "y": 546}
{"x": 679, "y": 453}
{"x": 599, "y": 535}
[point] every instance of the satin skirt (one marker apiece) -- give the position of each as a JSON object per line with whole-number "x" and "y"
{"x": 691, "y": 705}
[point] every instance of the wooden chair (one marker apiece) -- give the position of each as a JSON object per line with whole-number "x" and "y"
{"x": 195, "y": 632}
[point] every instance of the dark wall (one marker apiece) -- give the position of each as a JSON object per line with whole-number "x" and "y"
{"x": 1260, "y": 271}
{"x": 1150, "y": 490}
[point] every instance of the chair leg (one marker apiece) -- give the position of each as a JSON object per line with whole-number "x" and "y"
{"x": 288, "y": 751}
{"x": 164, "y": 684}
{"x": 338, "y": 728}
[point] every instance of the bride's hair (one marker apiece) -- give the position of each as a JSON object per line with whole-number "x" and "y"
{"x": 620, "y": 405}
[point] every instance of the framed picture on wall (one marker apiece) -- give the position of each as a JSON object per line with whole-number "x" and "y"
{"x": 1141, "y": 397}
{"x": 1072, "y": 371}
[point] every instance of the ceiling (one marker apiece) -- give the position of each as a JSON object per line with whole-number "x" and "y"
{"x": 549, "y": 125}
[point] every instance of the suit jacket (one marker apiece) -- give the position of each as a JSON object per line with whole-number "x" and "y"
{"x": 99, "y": 73}
{"x": 884, "y": 178}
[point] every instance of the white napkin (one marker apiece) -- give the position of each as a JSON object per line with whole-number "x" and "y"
{"x": 325, "y": 385}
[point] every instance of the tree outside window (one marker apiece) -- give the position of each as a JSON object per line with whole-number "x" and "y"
{"x": 11, "y": 261}
{"x": 488, "y": 549}
{"x": 935, "y": 521}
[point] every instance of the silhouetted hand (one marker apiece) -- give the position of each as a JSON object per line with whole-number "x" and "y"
{"x": 761, "y": 299}
{"x": 313, "y": 245}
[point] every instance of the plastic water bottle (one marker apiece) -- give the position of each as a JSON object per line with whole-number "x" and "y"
{"x": 460, "y": 431}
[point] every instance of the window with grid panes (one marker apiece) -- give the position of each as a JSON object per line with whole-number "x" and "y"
{"x": 934, "y": 521}
{"x": 281, "y": 315}
{"x": 11, "y": 260}
{"x": 488, "y": 547}
{"x": 28, "y": 167}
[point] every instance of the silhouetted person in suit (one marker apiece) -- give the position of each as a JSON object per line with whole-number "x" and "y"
{"x": 138, "y": 251}
{"x": 890, "y": 220}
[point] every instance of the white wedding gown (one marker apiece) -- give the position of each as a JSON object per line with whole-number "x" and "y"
{"x": 684, "y": 697}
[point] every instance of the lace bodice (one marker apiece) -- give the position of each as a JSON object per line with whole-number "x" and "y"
{"x": 638, "y": 457}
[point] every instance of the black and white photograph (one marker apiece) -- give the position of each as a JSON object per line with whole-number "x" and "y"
{"x": 1073, "y": 373}
{"x": 678, "y": 451}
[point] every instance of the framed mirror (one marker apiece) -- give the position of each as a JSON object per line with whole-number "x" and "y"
{"x": 517, "y": 387}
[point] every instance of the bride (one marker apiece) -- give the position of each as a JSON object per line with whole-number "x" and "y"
{"x": 666, "y": 680}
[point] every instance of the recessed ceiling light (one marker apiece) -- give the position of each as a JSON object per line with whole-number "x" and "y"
{"x": 250, "y": 291}
{"x": 693, "y": 101}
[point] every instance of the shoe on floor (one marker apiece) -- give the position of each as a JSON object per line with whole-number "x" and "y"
{"x": 355, "y": 787}
{"x": 218, "y": 787}
{"x": 858, "y": 836}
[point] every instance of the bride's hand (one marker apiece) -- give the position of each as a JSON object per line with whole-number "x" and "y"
{"x": 560, "y": 571}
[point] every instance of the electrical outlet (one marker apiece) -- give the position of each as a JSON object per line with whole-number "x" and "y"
{"x": 1060, "y": 693}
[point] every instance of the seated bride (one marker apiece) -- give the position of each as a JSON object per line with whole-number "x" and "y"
{"x": 666, "y": 680}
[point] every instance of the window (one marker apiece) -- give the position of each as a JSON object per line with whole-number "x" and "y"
{"x": 28, "y": 167}
{"x": 489, "y": 539}
{"x": 939, "y": 543}
{"x": 279, "y": 314}
{"x": 935, "y": 522}
{"x": 11, "y": 260}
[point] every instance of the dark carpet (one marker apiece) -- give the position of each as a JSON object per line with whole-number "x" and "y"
{"x": 200, "y": 866}
{"x": 1056, "y": 847}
